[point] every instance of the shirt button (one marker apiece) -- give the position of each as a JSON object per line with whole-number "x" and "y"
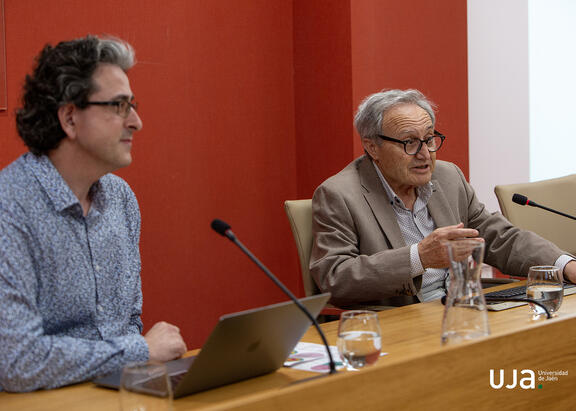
{"x": 97, "y": 268}
{"x": 100, "y": 308}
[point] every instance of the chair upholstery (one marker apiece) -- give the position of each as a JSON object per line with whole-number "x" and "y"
{"x": 556, "y": 193}
{"x": 299, "y": 214}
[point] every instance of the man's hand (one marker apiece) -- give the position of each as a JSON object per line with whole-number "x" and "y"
{"x": 570, "y": 272}
{"x": 433, "y": 253}
{"x": 164, "y": 342}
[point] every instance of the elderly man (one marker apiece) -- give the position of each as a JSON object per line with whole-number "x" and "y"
{"x": 69, "y": 231}
{"x": 379, "y": 223}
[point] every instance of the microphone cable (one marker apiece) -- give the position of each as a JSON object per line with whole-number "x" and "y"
{"x": 512, "y": 299}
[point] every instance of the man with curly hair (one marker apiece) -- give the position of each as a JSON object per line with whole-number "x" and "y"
{"x": 70, "y": 284}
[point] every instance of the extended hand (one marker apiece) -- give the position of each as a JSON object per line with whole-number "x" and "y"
{"x": 432, "y": 251}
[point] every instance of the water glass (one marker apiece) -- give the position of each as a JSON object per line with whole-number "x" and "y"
{"x": 546, "y": 285}
{"x": 359, "y": 339}
{"x": 145, "y": 387}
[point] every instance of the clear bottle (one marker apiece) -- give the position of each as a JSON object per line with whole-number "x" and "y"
{"x": 465, "y": 313}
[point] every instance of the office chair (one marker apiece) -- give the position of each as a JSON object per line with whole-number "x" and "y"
{"x": 299, "y": 214}
{"x": 556, "y": 193}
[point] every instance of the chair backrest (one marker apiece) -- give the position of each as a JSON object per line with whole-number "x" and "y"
{"x": 300, "y": 216}
{"x": 556, "y": 193}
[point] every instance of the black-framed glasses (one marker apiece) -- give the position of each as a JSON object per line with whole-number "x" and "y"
{"x": 122, "y": 106}
{"x": 412, "y": 146}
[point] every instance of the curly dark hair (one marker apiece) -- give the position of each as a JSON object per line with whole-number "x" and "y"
{"x": 62, "y": 75}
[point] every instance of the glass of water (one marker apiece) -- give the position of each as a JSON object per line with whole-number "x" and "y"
{"x": 546, "y": 285}
{"x": 145, "y": 387}
{"x": 359, "y": 339}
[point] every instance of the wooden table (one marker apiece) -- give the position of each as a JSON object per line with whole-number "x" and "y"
{"x": 418, "y": 372}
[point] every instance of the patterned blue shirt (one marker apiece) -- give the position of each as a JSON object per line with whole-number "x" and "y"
{"x": 70, "y": 295}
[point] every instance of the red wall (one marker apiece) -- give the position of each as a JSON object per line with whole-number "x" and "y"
{"x": 416, "y": 44}
{"x": 322, "y": 84}
{"x": 245, "y": 103}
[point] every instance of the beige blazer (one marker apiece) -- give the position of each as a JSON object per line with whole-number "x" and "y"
{"x": 359, "y": 254}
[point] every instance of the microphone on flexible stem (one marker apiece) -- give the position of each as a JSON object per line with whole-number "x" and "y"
{"x": 523, "y": 200}
{"x": 223, "y": 228}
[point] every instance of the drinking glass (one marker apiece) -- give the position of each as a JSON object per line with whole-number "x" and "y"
{"x": 546, "y": 285}
{"x": 145, "y": 387}
{"x": 359, "y": 340}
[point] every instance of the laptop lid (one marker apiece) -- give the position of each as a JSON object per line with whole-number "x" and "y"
{"x": 243, "y": 345}
{"x": 248, "y": 344}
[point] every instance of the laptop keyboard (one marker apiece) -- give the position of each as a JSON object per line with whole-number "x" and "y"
{"x": 519, "y": 291}
{"x": 176, "y": 378}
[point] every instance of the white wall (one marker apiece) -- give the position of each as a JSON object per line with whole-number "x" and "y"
{"x": 521, "y": 83}
{"x": 498, "y": 95}
{"x": 552, "y": 57}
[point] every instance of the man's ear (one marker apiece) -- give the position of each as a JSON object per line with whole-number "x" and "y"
{"x": 66, "y": 117}
{"x": 370, "y": 148}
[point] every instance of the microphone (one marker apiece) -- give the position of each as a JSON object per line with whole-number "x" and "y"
{"x": 523, "y": 200}
{"x": 223, "y": 228}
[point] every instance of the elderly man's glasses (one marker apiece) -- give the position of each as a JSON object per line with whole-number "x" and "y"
{"x": 122, "y": 106}
{"x": 412, "y": 146}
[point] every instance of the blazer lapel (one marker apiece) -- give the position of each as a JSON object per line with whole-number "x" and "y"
{"x": 379, "y": 203}
{"x": 439, "y": 207}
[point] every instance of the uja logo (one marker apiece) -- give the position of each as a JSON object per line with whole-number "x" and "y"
{"x": 526, "y": 383}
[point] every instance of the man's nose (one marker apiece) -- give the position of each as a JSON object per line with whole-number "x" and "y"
{"x": 423, "y": 152}
{"x": 134, "y": 121}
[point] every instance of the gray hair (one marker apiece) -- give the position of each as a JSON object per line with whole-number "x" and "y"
{"x": 368, "y": 118}
{"x": 115, "y": 51}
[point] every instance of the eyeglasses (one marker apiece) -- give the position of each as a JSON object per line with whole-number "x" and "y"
{"x": 412, "y": 146}
{"x": 122, "y": 106}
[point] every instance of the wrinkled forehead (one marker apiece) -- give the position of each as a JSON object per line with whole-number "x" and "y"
{"x": 403, "y": 118}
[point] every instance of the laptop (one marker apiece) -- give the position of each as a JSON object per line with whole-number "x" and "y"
{"x": 242, "y": 345}
{"x": 516, "y": 292}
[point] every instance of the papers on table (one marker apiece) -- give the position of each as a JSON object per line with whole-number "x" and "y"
{"x": 313, "y": 357}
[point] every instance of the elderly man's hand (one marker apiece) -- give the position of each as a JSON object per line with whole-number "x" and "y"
{"x": 432, "y": 251}
{"x": 570, "y": 272}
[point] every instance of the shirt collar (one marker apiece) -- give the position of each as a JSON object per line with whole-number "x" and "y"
{"x": 423, "y": 193}
{"x": 56, "y": 188}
